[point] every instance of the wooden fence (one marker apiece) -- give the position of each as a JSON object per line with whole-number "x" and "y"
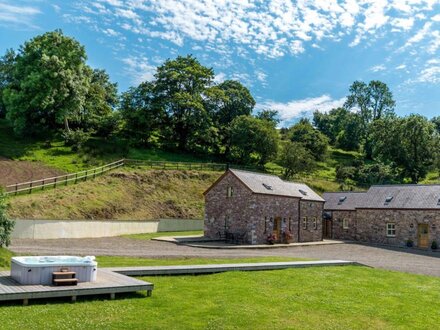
{"x": 61, "y": 180}
{"x": 64, "y": 180}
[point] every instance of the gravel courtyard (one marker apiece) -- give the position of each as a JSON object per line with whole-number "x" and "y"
{"x": 404, "y": 260}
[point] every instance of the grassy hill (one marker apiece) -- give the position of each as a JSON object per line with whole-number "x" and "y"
{"x": 128, "y": 193}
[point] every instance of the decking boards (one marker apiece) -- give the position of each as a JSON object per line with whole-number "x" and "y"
{"x": 210, "y": 269}
{"x": 108, "y": 282}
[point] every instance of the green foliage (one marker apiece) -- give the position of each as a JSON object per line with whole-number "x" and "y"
{"x": 141, "y": 114}
{"x": 49, "y": 83}
{"x": 295, "y": 159}
{"x": 6, "y": 224}
{"x": 180, "y": 87}
{"x": 313, "y": 140}
{"x": 76, "y": 138}
{"x": 253, "y": 140}
{"x": 434, "y": 245}
{"x": 271, "y": 116}
{"x": 6, "y": 69}
{"x": 409, "y": 143}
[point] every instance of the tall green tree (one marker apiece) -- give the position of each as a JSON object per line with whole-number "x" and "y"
{"x": 271, "y": 116}
{"x": 142, "y": 116}
{"x": 295, "y": 159}
{"x": 7, "y": 63}
{"x": 101, "y": 100}
{"x": 312, "y": 139}
{"x": 49, "y": 83}
{"x": 253, "y": 140}
{"x": 409, "y": 143}
{"x": 180, "y": 87}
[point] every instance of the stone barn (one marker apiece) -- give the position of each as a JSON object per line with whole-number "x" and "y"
{"x": 253, "y": 208}
{"x": 387, "y": 214}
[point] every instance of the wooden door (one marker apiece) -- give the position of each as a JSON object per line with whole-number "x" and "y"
{"x": 423, "y": 235}
{"x": 327, "y": 228}
{"x": 277, "y": 229}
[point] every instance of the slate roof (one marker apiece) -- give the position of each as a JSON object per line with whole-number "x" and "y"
{"x": 272, "y": 185}
{"x": 407, "y": 196}
{"x": 402, "y": 197}
{"x": 343, "y": 200}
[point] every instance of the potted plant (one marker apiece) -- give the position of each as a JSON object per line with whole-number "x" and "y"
{"x": 409, "y": 243}
{"x": 271, "y": 239}
{"x": 434, "y": 245}
{"x": 287, "y": 236}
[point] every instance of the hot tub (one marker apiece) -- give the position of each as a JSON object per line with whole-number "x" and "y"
{"x": 38, "y": 270}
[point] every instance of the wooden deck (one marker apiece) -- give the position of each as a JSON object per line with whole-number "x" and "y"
{"x": 210, "y": 269}
{"x": 108, "y": 282}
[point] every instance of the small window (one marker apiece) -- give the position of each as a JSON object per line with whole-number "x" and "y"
{"x": 315, "y": 223}
{"x": 268, "y": 187}
{"x": 388, "y": 200}
{"x": 230, "y": 192}
{"x": 345, "y": 223}
{"x": 303, "y": 192}
{"x": 391, "y": 230}
{"x": 342, "y": 199}
{"x": 305, "y": 223}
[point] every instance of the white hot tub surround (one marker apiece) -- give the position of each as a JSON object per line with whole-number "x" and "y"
{"x": 39, "y": 269}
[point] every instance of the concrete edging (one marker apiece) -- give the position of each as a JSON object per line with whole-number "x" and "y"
{"x": 53, "y": 229}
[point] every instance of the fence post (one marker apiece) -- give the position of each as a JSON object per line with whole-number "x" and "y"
{"x": 16, "y": 188}
{"x": 94, "y": 173}
{"x": 55, "y": 183}
{"x": 85, "y": 176}
{"x": 65, "y": 183}
{"x": 42, "y": 185}
{"x": 30, "y": 188}
{"x": 76, "y": 177}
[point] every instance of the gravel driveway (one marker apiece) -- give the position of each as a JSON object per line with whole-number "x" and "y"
{"x": 404, "y": 260}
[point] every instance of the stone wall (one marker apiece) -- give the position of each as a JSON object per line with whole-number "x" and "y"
{"x": 338, "y": 232}
{"x": 371, "y": 225}
{"x": 310, "y": 211}
{"x": 254, "y": 214}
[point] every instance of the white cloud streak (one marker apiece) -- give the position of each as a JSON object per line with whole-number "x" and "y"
{"x": 305, "y": 107}
{"x": 16, "y": 16}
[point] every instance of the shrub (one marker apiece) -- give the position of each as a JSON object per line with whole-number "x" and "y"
{"x": 434, "y": 245}
{"x": 409, "y": 243}
{"x": 6, "y": 224}
{"x": 75, "y": 138}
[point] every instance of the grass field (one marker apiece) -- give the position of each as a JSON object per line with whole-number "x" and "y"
{"x": 349, "y": 297}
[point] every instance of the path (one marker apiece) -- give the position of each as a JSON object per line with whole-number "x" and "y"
{"x": 404, "y": 260}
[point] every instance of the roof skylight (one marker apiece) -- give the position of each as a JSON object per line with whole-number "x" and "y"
{"x": 388, "y": 200}
{"x": 303, "y": 192}
{"x": 342, "y": 199}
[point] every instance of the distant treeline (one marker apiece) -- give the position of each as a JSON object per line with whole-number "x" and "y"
{"x": 46, "y": 87}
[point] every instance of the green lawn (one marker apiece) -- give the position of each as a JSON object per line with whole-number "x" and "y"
{"x": 149, "y": 236}
{"x": 349, "y": 297}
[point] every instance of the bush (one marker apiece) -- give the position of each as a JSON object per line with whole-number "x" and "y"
{"x": 434, "y": 245}
{"x": 409, "y": 243}
{"x": 76, "y": 138}
{"x": 6, "y": 224}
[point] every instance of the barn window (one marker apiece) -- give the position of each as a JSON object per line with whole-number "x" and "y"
{"x": 305, "y": 223}
{"x": 230, "y": 191}
{"x": 391, "y": 229}
{"x": 345, "y": 223}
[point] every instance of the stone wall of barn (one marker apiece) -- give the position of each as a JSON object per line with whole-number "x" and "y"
{"x": 371, "y": 225}
{"x": 338, "y": 230}
{"x": 310, "y": 221}
{"x": 253, "y": 214}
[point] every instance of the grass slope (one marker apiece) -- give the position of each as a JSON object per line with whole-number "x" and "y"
{"x": 123, "y": 194}
{"x": 349, "y": 297}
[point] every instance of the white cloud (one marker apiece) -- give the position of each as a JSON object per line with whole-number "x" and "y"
{"x": 401, "y": 67}
{"x": 378, "y": 68}
{"x": 139, "y": 69}
{"x": 272, "y": 28}
{"x": 18, "y": 16}
{"x": 297, "y": 108}
{"x": 430, "y": 75}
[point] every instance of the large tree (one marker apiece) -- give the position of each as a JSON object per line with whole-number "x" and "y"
{"x": 295, "y": 159}
{"x": 253, "y": 140}
{"x": 142, "y": 116}
{"x": 6, "y": 68}
{"x": 409, "y": 143}
{"x": 180, "y": 87}
{"x": 49, "y": 83}
{"x": 313, "y": 140}
{"x": 6, "y": 224}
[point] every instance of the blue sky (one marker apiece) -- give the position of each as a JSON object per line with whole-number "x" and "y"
{"x": 295, "y": 57}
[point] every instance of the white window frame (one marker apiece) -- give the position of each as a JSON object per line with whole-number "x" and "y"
{"x": 345, "y": 223}
{"x": 304, "y": 224}
{"x": 230, "y": 192}
{"x": 315, "y": 223}
{"x": 391, "y": 229}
